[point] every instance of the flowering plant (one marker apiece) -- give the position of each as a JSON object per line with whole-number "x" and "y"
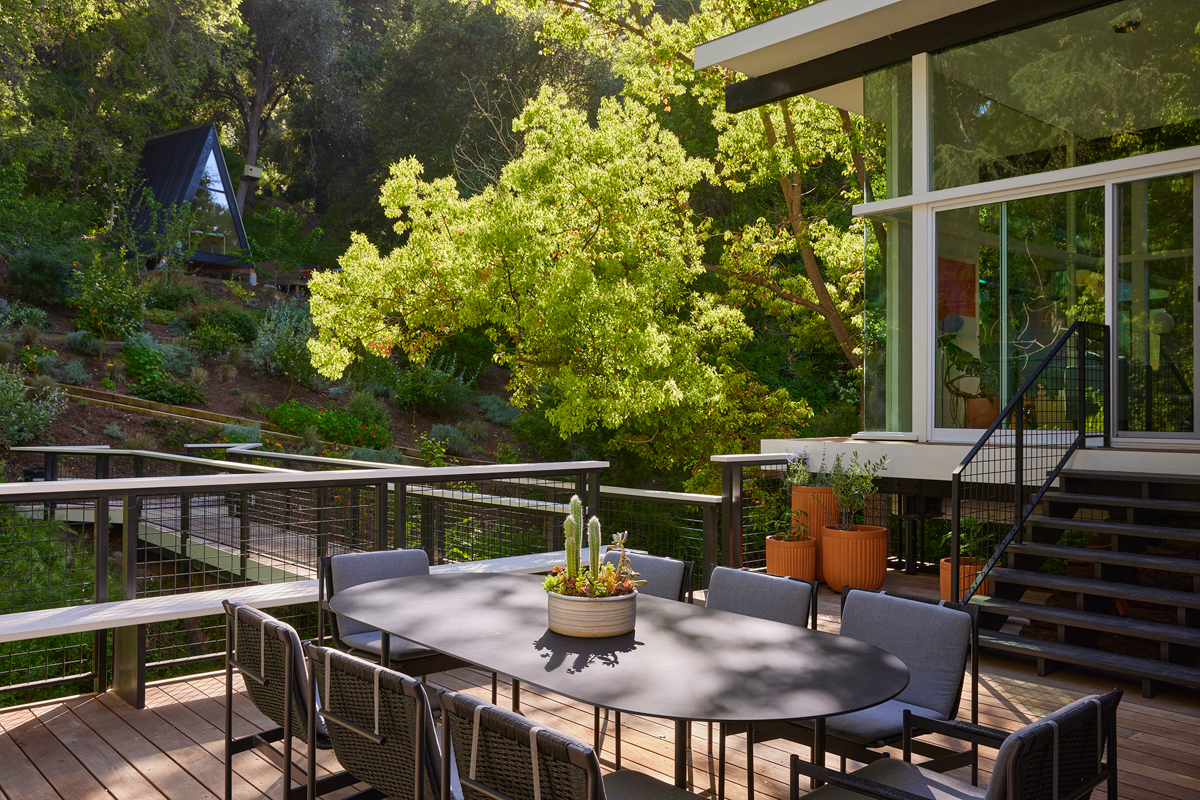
{"x": 595, "y": 581}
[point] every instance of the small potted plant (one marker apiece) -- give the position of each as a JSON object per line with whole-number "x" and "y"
{"x": 813, "y": 507}
{"x": 853, "y": 555}
{"x": 596, "y": 601}
{"x": 973, "y": 539}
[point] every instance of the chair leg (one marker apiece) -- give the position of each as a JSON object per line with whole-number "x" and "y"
{"x": 721, "y": 763}
{"x": 749, "y": 762}
{"x": 495, "y": 686}
{"x": 617, "y": 737}
{"x": 516, "y": 700}
{"x": 596, "y": 730}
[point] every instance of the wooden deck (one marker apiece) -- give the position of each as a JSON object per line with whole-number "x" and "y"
{"x": 97, "y": 747}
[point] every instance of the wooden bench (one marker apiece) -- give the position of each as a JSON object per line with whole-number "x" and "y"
{"x": 129, "y": 618}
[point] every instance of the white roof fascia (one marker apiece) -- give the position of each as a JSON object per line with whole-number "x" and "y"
{"x": 819, "y": 30}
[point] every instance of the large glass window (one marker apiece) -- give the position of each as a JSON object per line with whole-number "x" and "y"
{"x": 1112, "y": 82}
{"x": 214, "y": 231}
{"x": 887, "y": 325}
{"x": 887, "y": 105}
{"x": 1011, "y": 278}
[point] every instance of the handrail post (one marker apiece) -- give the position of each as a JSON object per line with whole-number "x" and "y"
{"x": 593, "y": 492}
{"x": 129, "y": 643}
{"x": 1019, "y": 460}
{"x": 731, "y": 512}
{"x": 712, "y": 545}
{"x": 956, "y": 508}
{"x": 100, "y": 591}
{"x": 1081, "y": 389}
{"x": 381, "y": 516}
{"x": 1106, "y": 389}
{"x": 244, "y": 533}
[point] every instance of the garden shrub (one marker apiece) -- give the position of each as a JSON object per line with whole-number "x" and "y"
{"x": 332, "y": 425}
{"x": 496, "y": 409}
{"x": 373, "y": 373}
{"x": 25, "y": 414}
{"x": 18, "y": 315}
{"x": 452, "y": 439}
{"x": 177, "y": 361}
{"x": 220, "y": 314}
{"x": 148, "y": 380}
{"x": 36, "y": 359}
{"x": 366, "y": 407}
{"x": 438, "y": 386}
{"x": 76, "y": 374}
{"x": 470, "y": 349}
{"x": 109, "y": 304}
{"x": 246, "y": 434}
{"x": 114, "y": 430}
{"x": 47, "y": 363}
{"x": 433, "y": 452}
{"x": 40, "y": 274}
{"x": 389, "y": 455}
{"x": 84, "y": 343}
{"x": 281, "y": 345}
{"x": 171, "y": 294}
{"x": 474, "y": 429}
{"x": 213, "y": 340}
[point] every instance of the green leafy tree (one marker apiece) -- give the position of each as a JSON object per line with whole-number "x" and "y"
{"x": 111, "y": 306}
{"x": 580, "y": 264}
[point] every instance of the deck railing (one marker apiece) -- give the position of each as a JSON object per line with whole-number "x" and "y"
{"x": 1062, "y": 406}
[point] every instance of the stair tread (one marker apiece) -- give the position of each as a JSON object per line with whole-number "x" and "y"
{"x": 1121, "y": 501}
{"x": 1135, "y": 477}
{"x": 1129, "y": 591}
{"x": 1118, "y": 528}
{"x": 1085, "y": 656}
{"x": 1143, "y": 560}
{"x": 1088, "y": 619}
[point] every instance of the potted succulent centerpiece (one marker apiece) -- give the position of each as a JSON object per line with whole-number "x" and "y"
{"x": 973, "y": 538}
{"x": 795, "y": 552}
{"x": 596, "y": 601}
{"x": 853, "y": 555}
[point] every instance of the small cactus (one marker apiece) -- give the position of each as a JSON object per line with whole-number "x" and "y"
{"x": 594, "y": 544}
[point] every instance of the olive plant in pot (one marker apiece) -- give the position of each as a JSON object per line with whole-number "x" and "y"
{"x": 594, "y": 601}
{"x": 973, "y": 539}
{"x": 795, "y": 551}
{"x": 853, "y": 555}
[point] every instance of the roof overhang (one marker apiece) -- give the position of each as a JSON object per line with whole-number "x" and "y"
{"x": 836, "y": 42}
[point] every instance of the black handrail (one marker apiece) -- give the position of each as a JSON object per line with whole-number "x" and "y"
{"x": 1011, "y": 422}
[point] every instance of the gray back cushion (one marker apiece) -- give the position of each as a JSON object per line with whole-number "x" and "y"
{"x": 757, "y": 594}
{"x": 351, "y": 569}
{"x": 663, "y": 576}
{"x": 1084, "y": 710}
{"x": 931, "y": 640}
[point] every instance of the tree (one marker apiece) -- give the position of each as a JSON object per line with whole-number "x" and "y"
{"x": 580, "y": 264}
{"x": 794, "y": 166}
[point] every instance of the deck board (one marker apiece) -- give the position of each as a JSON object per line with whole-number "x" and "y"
{"x": 98, "y": 747}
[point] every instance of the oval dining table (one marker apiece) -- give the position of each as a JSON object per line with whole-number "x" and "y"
{"x": 682, "y": 662}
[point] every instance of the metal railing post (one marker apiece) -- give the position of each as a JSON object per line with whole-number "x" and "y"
{"x": 731, "y": 513}
{"x": 101, "y": 467}
{"x": 100, "y": 523}
{"x": 381, "y": 516}
{"x": 1106, "y": 387}
{"x": 129, "y": 643}
{"x": 1019, "y": 460}
{"x": 1081, "y": 389}
{"x": 593, "y": 493}
{"x": 322, "y": 543}
{"x": 712, "y": 544}
{"x": 244, "y": 533}
{"x": 956, "y": 507}
{"x": 400, "y": 512}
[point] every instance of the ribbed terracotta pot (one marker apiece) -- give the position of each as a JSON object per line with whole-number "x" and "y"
{"x": 822, "y": 510}
{"x": 968, "y": 568}
{"x": 592, "y": 617}
{"x": 857, "y": 557}
{"x": 792, "y": 559}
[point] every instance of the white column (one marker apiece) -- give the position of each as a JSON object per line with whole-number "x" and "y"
{"x": 923, "y": 257}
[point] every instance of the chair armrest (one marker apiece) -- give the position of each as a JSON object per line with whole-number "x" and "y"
{"x": 863, "y": 786}
{"x": 915, "y": 724}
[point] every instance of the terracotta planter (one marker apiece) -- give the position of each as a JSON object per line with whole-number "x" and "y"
{"x": 591, "y": 617}
{"x": 856, "y": 558}
{"x": 792, "y": 559}
{"x": 822, "y": 510}
{"x": 982, "y": 411}
{"x": 968, "y": 568}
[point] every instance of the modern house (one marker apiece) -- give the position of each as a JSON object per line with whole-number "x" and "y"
{"x": 187, "y": 166}
{"x": 1038, "y": 168}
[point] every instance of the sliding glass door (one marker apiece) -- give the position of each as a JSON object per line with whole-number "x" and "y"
{"x": 1156, "y": 297}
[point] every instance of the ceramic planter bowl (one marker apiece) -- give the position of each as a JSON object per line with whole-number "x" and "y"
{"x": 792, "y": 559}
{"x": 592, "y": 617}
{"x": 857, "y": 557}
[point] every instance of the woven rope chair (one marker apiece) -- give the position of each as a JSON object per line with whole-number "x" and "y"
{"x": 267, "y": 652}
{"x": 379, "y": 723}
{"x": 1059, "y": 757}
{"x": 501, "y": 755}
{"x": 763, "y": 596}
{"x": 668, "y": 578}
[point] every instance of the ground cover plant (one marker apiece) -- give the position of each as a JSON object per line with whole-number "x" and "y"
{"x": 331, "y": 424}
{"x": 148, "y": 379}
{"x": 25, "y": 413}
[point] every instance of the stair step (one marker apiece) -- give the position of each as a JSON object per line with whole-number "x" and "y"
{"x": 1143, "y": 668}
{"x": 1189, "y": 565}
{"x": 1121, "y": 501}
{"x": 1115, "y": 528}
{"x": 1127, "y": 591}
{"x": 1142, "y": 629}
{"x": 1131, "y": 477}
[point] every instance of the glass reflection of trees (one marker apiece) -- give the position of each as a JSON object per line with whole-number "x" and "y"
{"x": 1108, "y": 83}
{"x": 214, "y": 231}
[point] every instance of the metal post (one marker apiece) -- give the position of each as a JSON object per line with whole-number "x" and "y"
{"x": 244, "y": 533}
{"x": 1081, "y": 355}
{"x": 593, "y": 493}
{"x": 101, "y": 467}
{"x": 731, "y": 513}
{"x": 129, "y": 643}
{"x": 1105, "y": 391}
{"x": 381, "y": 516}
{"x": 1018, "y": 462}
{"x": 322, "y": 545}
{"x": 956, "y": 509}
{"x": 100, "y": 591}
{"x": 400, "y": 510}
{"x": 712, "y": 544}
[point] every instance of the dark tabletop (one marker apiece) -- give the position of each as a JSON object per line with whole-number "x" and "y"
{"x": 681, "y": 662}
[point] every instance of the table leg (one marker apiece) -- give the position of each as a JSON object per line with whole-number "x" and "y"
{"x": 681, "y": 751}
{"x": 385, "y": 649}
{"x": 818, "y": 749}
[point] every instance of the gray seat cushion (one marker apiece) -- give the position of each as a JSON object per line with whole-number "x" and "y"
{"x": 663, "y": 576}
{"x": 931, "y": 640}
{"x": 757, "y": 594}
{"x": 370, "y": 642}
{"x": 626, "y": 784}
{"x": 901, "y": 775}
{"x": 352, "y": 569}
{"x": 877, "y": 725}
